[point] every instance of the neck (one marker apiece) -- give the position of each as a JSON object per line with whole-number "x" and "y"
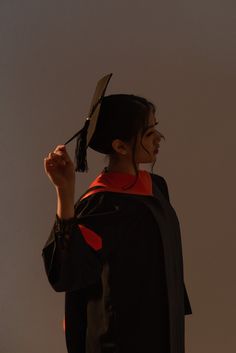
{"x": 121, "y": 166}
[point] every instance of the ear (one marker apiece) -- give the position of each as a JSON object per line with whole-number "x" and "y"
{"x": 120, "y": 147}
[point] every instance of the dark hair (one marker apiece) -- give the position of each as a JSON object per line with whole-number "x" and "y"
{"x": 122, "y": 116}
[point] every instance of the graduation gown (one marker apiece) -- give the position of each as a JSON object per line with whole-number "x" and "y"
{"x": 119, "y": 262}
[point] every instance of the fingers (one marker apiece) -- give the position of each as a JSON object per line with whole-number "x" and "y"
{"x": 60, "y": 150}
{"x": 58, "y": 158}
{"x": 54, "y": 160}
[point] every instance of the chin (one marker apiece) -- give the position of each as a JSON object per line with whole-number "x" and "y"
{"x": 148, "y": 161}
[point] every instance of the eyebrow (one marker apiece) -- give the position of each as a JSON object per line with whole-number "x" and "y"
{"x": 150, "y": 126}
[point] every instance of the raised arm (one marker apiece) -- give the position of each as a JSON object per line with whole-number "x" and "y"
{"x": 70, "y": 262}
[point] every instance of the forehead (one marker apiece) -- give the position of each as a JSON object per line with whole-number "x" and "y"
{"x": 152, "y": 119}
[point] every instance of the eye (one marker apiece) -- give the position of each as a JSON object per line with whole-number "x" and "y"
{"x": 153, "y": 130}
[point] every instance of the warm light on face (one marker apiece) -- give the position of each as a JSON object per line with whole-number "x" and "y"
{"x": 147, "y": 143}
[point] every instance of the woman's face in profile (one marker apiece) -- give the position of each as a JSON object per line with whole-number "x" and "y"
{"x": 148, "y": 144}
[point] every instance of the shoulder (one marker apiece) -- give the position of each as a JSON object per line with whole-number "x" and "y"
{"x": 158, "y": 178}
{"x": 160, "y": 181}
{"x": 99, "y": 203}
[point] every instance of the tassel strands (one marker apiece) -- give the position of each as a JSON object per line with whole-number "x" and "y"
{"x": 81, "y": 149}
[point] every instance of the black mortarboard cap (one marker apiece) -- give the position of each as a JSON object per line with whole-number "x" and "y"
{"x": 84, "y": 136}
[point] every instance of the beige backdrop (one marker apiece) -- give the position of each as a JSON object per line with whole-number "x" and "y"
{"x": 180, "y": 54}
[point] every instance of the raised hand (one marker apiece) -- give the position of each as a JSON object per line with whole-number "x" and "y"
{"x": 60, "y": 169}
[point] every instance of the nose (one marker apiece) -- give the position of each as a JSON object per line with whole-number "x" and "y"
{"x": 159, "y": 136}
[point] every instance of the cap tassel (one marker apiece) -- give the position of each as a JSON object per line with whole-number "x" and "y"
{"x": 81, "y": 149}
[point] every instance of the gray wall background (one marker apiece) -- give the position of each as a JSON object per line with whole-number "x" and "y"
{"x": 180, "y": 54}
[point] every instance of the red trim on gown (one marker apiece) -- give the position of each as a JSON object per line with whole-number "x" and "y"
{"x": 119, "y": 182}
{"x": 92, "y": 238}
{"x": 115, "y": 182}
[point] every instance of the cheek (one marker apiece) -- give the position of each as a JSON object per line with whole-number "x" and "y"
{"x": 147, "y": 144}
{"x": 148, "y": 141}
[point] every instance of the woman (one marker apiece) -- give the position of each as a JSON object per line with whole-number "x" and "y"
{"x": 117, "y": 252}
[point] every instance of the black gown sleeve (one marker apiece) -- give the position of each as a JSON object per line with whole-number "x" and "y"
{"x": 70, "y": 262}
{"x": 162, "y": 184}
